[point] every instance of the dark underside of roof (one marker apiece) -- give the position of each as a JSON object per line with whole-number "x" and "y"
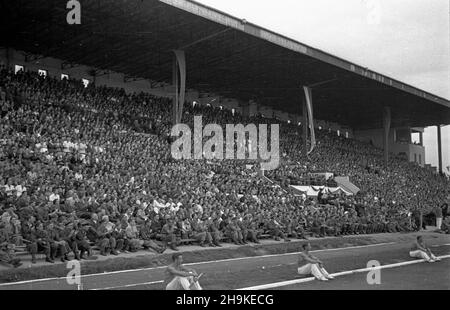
{"x": 136, "y": 37}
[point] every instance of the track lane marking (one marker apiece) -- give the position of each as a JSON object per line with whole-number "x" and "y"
{"x": 128, "y": 285}
{"x": 197, "y": 263}
{"x": 438, "y": 245}
{"x": 337, "y": 274}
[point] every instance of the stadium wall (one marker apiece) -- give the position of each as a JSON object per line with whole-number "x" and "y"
{"x": 414, "y": 153}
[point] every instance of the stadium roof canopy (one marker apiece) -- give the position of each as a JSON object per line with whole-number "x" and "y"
{"x": 225, "y": 55}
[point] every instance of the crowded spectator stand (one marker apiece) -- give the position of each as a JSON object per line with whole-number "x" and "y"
{"x": 88, "y": 168}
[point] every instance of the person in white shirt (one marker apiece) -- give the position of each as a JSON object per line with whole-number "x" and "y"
{"x": 20, "y": 189}
{"x": 313, "y": 265}
{"x": 82, "y": 149}
{"x": 170, "y": 204}
{"x": 42, "y": 147}
{"x": 67, "y": 145}
{"x": 10, "y": 187}
{"x": 159, "y": 205}
{"x": 78, "y": 176}
{"x": 53, "y": 197}
{"x": 420, "y": 250}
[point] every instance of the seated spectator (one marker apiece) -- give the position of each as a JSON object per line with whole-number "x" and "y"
{"x": 106, "y": 241}
{"x": 71, "y": 155}
{"x": 145, "y": 234}
{"x": 57, "y": 244}
{"x": 7, "y": 253}
{"x": 169, "y": 236}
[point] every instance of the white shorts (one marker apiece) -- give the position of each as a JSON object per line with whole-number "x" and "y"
{"x": 183, "y": 283}
{"x": 305, "y": 269}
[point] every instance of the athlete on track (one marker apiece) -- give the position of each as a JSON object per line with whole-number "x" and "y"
{"x": 313, "y": 265}
{"x": 420, "y": 250}
{"x": 179, "y": 277}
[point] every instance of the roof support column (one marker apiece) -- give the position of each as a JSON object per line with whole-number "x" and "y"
{"x": 387, "y": 128}
{"x": 305, "y": 126}
{"x": 179, "y": 84}
{"x": 439, "y": 145}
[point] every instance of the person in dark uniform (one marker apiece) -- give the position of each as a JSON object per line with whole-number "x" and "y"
{"x": 106, "y": 241}
{"x": 445, "y": 210}
{"x": 213, "y": 228}
{"x": 119, "y": 233}
{"x": 347, "y": 225}
{"x": 82, "y": 240}
{"x": 129, "y": 232}
{"x": 41, "y": 243}
{"x": 243, "y": 228}
{"x": 145, "y": 233}
{"x": 319, "y": 196}
{"x": 223, "y": 224}
{"x": 363, "y": 224}
{"x": 57, "y": 244}
{"x": 317, "y": 228}
{"x": 91, "y": 228}
{"x": 156, "y": 227}
{"x": 332, "y": 227}
{"x": 234, "y": 232}
{"x": 169, "y": 236}
{"x": 68, "y": 234}
{"x": 7, "y": 254}
{"x": 204, "y": 226}
{"x": 27, "y": 229}
{"x": 198, "y": 231}
{"x": 252, "y": 229}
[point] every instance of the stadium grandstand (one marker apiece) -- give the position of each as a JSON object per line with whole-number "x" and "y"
{"x": 85, "y": 148}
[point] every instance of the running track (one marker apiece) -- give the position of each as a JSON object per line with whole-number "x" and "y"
{"x": 254, "y": 271}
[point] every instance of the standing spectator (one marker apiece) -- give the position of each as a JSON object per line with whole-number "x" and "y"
{"x": 438, "y": 214}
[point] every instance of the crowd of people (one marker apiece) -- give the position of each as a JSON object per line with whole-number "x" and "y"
{"x": 85, "y": 167}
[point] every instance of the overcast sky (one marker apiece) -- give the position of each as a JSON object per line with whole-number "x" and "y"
{"x": 406, "y": 39}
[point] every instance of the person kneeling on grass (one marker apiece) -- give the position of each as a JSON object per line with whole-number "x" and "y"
{"x": 313, "y": 265}
{"x": 179, "y": 277}
{"x": 420, "y": 250}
